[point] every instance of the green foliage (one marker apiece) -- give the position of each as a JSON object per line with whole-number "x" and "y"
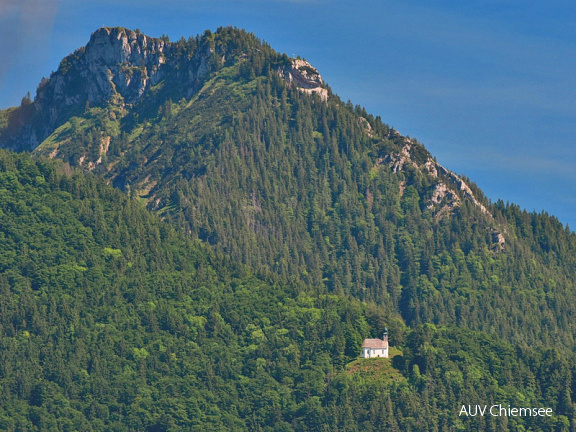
{"x": 285, "y": 183}
{"x": 113, "y": 320}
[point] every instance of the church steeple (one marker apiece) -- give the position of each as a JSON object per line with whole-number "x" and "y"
{"x": 385, "y": 335}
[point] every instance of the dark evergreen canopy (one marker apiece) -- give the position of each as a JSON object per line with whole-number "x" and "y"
{"x": 294, "y": 225}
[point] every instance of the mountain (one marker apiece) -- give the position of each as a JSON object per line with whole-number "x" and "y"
{"x": 302, "y": 224}
{"x": 112, "y": 321}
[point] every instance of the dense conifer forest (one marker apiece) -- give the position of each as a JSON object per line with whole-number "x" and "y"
{"x": 111, "y": 320}
{"x": 257, "y": 233}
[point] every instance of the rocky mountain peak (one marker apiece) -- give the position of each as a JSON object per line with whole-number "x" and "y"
{"x": 115, "y": 60}
{"x": 119, "y": 66}
{"x": 110, "y": 46}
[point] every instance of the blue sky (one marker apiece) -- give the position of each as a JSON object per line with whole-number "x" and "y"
{"x": 488, "y": 86}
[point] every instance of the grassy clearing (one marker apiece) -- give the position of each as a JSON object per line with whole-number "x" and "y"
{"x": 376, "y": 369}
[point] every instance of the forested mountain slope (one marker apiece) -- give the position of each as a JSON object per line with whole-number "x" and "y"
{"x": 111, "y": 321}
{"x": 251, "y": 152}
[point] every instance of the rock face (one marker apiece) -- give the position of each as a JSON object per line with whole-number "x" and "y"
{"x": 449, "y": 190}
{"x": 116, "y": 61}
{"x": 123, "y": 60}
{"x": 445, "y": 190}
{"x": 119, "y": 63}
{"x": 121, "y": 66}
{"x": 305, "y": 78}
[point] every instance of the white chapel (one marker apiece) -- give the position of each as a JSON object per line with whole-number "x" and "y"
{"x": 375, "y": 347}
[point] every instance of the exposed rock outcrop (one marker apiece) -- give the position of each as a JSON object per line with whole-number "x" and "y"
{"x": 449, "y": 190}
{"x": 118, "y": 61}
{"x": 117, "y": 65}
{"x": 444, "y": 191}
{"x": 115, "y": 61}
{"x": 498, "y": 240}
{"x": 120, "y": 66}
{"x": 367, "y": 126}
{"x": 397, "y": 160}
{"x": 125, "y": 61}
{"x": 304, "y": 77}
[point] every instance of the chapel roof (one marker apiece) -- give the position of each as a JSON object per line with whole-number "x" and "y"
{"x": 375, "y": 343}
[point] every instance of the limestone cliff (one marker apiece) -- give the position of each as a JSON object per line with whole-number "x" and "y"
{"x": 122, "y": 78}
{"x": 305, "y": 78}
{"x": 120, "y": 67}
{"x": 448, "y": 190}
